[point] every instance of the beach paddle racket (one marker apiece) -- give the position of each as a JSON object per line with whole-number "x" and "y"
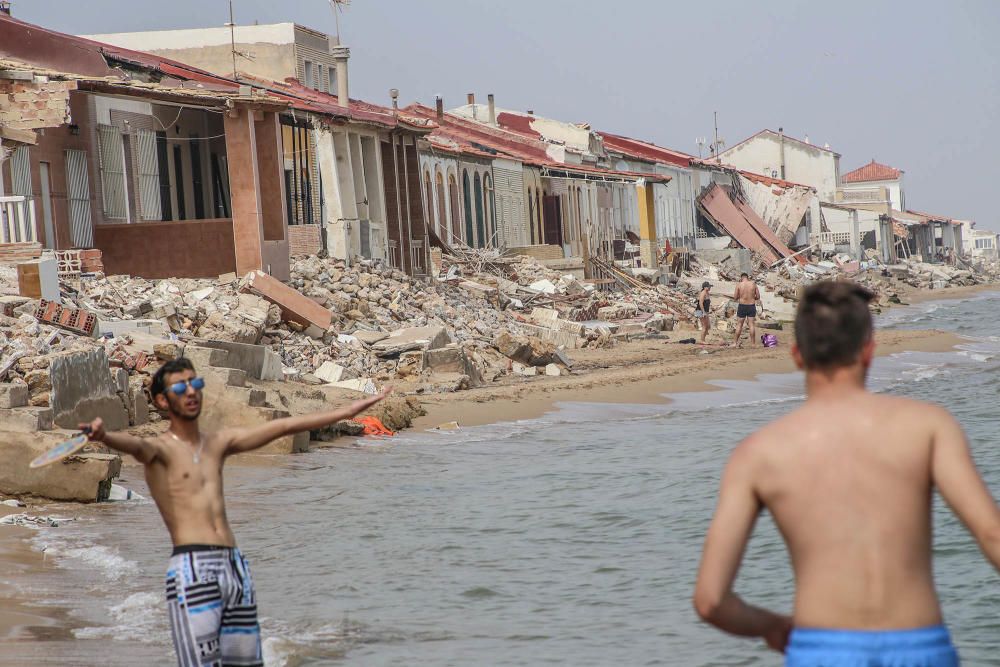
{"x": 61, "y": 451}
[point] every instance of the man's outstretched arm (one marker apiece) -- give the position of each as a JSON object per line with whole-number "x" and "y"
{"x": 735, "y": 516}
{"x": 248, "y": 439}
{"x": 145, "y": 451}
{"x": 955, "y": 475}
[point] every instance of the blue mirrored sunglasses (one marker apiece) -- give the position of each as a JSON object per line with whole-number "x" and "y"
{"x": 181, "y": 387}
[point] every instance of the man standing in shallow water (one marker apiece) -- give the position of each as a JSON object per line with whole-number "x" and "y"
{"x": 210, "y": 594}
{"x": 848, "y": 478}
{"x": 746, "y": 297}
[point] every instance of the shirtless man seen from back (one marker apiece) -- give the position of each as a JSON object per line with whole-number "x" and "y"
{"x": 848, "y": 478}
{"x": 210, "y": 594}
{"x": 747, "y": 295}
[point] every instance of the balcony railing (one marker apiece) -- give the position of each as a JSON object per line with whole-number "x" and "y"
{"x": 874, "y": 196}
{"x": 17, "y": 220}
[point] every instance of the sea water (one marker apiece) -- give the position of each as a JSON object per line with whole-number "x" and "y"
{"x": 567, "y": 540}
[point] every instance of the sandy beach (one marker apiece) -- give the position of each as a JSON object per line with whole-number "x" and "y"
{"x": 639, "y": 371}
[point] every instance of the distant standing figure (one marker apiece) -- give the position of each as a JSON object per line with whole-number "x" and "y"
{"x": 746, "y": 297}
{"x": 702, "y": 310}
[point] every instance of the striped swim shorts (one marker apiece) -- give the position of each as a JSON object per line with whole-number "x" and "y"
{"x": 212, "y": 608}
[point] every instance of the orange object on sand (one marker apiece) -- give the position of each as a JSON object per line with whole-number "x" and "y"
{"x": 373, "y": 426}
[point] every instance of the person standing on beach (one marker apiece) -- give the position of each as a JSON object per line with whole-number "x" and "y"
{"x": 746, "y": 298}
{"x": 848, "y": 478}
{"x": 702, "y": 310}
{"x": 210, "y": 594}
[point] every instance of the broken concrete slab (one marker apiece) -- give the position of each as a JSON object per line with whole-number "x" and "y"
{"x": 294, "y": 305}
{"x": 370, "y": 337}
{"x": 257, "y": 361}
{"x": 82, "y": 390}
{"x": 119, "y": 328}
{"x": 26, "y": 419}
{"x": 553, "y": 370}
{"x": 80, "y": 478}
{"x": 13, "y": 395}
{"x": 522, "y": 369}
{"x": 364, "y": 385}
{"x": 413, "y": 338}
{"x": 333, "y": 372}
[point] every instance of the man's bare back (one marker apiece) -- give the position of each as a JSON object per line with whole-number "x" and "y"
{"x": 747, "y": 293}
{"x": 820, "y": 474}
{"x": 848, "y": 478}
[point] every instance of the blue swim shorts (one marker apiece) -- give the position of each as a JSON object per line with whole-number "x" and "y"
{"x": 920, "y": 647}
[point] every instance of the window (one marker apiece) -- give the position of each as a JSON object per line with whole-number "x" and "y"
{"x": 331, "y": 75}
{"x": 307, "y": 74}
{"x": 480, "y": 223}
{"x": 320, "y": 79}
{"x": 984, "y": 244}
{"x": 467, "y": 191}
{"x": 442, "y": 211}
{"x": 112, "y": 164}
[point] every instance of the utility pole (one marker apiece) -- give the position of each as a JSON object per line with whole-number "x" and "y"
{"x": 232, "y": 38}
{"x": 715, "y": 114}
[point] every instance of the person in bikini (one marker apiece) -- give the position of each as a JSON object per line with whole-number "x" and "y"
{"x": 848, "y": 478}
{"x": 747, "y": 296}
{"x": 704, "y": 303}
{"x": 210, "y": 595}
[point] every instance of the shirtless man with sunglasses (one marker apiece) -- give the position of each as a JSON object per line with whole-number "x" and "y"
{"x": 210, "y": 594}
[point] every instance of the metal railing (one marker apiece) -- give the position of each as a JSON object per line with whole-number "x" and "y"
{"x": 17, "y": 220}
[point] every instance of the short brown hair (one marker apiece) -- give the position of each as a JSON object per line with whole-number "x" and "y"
{"x": 833, "y": 323}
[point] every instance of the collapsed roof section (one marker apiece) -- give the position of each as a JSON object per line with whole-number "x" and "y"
{"x": 734, "y": 217}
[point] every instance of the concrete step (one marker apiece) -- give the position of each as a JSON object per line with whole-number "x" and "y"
{"x": 204, "y": 358}
{"x": 25, "y": 420}
{"x": 255, "y": 398}
{"x": 228, "y": 377}
{"x": 14, "y": 395}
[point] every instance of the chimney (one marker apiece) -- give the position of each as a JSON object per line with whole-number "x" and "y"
{"x": 439, "y": 104}
{"x": 470, "y": 98}
{"x": 493, "y": 109}
{"x": 530, "y": 112}
{"x": 394, "y": 94}
{"x": 340, "y": 55}
{"x": 5, "y": 7}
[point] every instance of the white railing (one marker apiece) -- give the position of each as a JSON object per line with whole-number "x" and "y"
{"x": 874, "y": 196}
{"x": 17, "y": 220}
{"x": 835, "y": 238}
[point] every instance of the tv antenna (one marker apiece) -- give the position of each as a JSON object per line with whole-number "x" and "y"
{"x": 338, "y": 6}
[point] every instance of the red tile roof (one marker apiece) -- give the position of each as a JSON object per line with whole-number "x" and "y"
{"x": 642, "y": 150}
{"x": 873, "y": 171}
{"x": 517, "y": 123}
{"x": 456, "y": 134}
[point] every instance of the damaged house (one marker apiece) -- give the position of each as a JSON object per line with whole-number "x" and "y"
{"x": 533, "y": 203}
{"x": 166, "y": 169}
{"x": 351, "y": 168}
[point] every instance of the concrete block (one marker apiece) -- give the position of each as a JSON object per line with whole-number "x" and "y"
{"x": 553, "y": 370}
{"x": 204, "y": 358}
{"x": 128, "y": 327}
{"x": 364, "y": 385}
{"x": 9, "y": 303}
{"x": 333, "y": 372}
{"x": 255, "y": 398}
{"x": 256, "y": 361}
{"x": 138, "y": 407}
{"x": 14, "y": 395}
{"x": 413, "y": 338}
{"x": 294, "y": 305}
{"x": 558, "y": 338}
{"x": 82, "y": 390}
{"x": 224, "y": 377}
{"x": 26, "y": 419}
{"x": 39, "y": 279}
{"x": 119, "y": 378}
{"x": 445, "y": 360}
{"x": 80, "y": 478}
{"x": 522, "y": 369}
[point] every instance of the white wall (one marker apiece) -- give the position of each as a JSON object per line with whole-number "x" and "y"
{"x": 155, "y": 40}
{"x": 804, "y": 164}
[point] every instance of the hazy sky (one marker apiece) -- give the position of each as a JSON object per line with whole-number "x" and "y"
{"x": 913, "y": 84}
